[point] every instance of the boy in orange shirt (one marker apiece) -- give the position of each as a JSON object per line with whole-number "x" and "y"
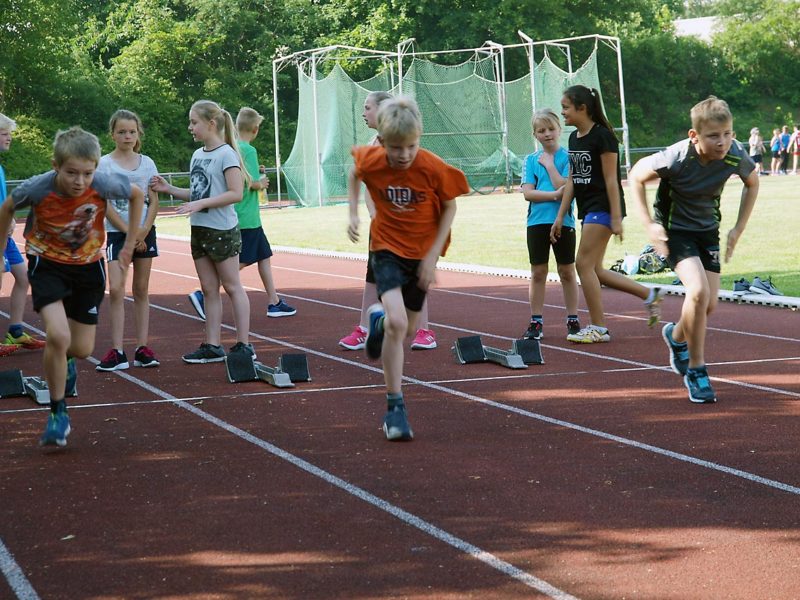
{"x": 414, "y": 192}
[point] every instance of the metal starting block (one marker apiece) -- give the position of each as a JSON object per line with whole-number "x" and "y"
{"x": 291, "y": 368}
{"x": 470, "y": 349}
{"x": 13, "y": 383}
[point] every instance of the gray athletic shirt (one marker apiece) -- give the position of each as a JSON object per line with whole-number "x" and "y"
{"x": 689, "y": 193}
{"x": 206, "y": 180}
{"x": 140, "y": 176}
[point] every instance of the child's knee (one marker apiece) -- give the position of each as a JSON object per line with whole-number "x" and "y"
{"x": 539, "y": 273}
{"x": 566, "y": 273}
{"x": 396, "y": 327}
{"x": 699, "y": 297}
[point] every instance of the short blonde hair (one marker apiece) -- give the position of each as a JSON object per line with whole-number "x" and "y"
{"x": 248, "y": 119}
{"x": 399, "y": 119}
{"x": 7, "y": 123}
{"x": 75, "y": 143}
{"x": 545, "y": 115}
{"x": 710, "y": 110}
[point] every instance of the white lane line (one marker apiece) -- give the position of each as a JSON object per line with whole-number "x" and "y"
{"x": 452, "y": 292}
{"x": 16, "y": 579}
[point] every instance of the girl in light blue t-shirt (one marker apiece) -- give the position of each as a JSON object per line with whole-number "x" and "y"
{"x": 546, "y": 172}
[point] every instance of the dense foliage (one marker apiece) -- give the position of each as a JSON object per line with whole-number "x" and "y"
{"x": 76, "y": 61}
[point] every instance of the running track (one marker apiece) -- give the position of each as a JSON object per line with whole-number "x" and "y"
{"x": 591, "y": 476}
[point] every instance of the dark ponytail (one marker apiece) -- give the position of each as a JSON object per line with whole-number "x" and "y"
{"x": 580, "y": 95}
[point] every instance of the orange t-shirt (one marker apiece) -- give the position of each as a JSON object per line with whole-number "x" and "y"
{"x": 408, "y": 203}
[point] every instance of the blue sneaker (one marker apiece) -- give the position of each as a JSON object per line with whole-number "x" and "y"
{"x": 281, "y": 309}
{"x": 699, "y": 386}
{"x": 71, "y": 389}
{"x": 678, "y": 353}
{"x": 374, "y": 344}
{"x": 196, "y": 297}
{"x": 57, "y": 429}
{"x": 395, "y": 425}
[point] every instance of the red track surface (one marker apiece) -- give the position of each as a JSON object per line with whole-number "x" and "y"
{"x": 590, "y": 476}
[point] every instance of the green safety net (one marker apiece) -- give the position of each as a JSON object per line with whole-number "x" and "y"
{"x": 462, "y": 110}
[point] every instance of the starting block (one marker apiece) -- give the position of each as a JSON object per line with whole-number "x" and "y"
{"x": 470, "y": 349}
{"x": 13, "y": 383}
{"x": 291, "y": 368}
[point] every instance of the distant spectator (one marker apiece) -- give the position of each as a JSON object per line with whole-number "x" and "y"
{"x": 794, "y": 147}
{"x": 786, "y": 137}
{"x": 756, "y": 143}
{"x": 775, "y": 149}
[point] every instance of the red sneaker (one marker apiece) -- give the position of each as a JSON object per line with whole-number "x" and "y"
{"x": 356, "y": 340}
{"x": 424, "y": 340}
{"x": 6, "y": 349}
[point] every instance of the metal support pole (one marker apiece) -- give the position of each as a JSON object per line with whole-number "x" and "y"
{"x": 277, "y": 136}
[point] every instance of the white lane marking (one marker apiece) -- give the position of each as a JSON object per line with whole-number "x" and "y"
{"x": 16, "y": 579}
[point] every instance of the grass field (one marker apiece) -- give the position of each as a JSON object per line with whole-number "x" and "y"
{"x": 490, "y": 230}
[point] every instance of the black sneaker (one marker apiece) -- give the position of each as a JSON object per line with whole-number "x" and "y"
{"x": 395, "y": 425}
{"x": 114, "y": 360}
{"x": 573, "y": 326}
{"x": 144, "y": 357}
{"x": 678, "y": 352}
{"x": 374, "y": 345}
{"x": 241, "y": 347}
{"x": 699, "y": 386}
{"x": 206, "y": 353}
{"x": 534, "y": 331}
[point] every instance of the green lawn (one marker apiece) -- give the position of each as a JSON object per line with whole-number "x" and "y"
{"x": 490, "y": 230}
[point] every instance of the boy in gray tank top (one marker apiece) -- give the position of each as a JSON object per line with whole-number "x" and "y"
{"x": 685, "y": 226}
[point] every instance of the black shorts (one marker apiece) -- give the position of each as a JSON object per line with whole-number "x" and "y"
{"x": 539, "y": 245}
{"x": 686, "y": 244}
{"x": 80, "y": 287}
{"x": 370, "y": 273}
{"x": 255, "y": 246}
{"x": 757, "y": 158}
{"x": 216, "y": 244}
{"x": 115, "y": 240}
{"x": 392, "y": 271}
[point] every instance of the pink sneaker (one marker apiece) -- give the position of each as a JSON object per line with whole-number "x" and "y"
{"x": 356, "y": 340}
{"x": 424, "y": 340}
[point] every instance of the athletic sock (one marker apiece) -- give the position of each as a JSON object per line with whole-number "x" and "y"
{"x": 572, "y": 318}
{"x": 539, "y": 318}
{"x": 651, "y": 296}
{"x": 393, "y": 400}
{"x": 15, "y": 329}
{"x": 57, "y": 406}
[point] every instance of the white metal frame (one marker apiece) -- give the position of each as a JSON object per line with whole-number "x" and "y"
{"x": 309, "y": 59}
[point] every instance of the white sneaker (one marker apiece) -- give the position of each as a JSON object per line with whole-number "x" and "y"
{"x": 591, "y": 334}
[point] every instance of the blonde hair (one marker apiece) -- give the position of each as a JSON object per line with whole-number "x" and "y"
{"x": 127, "y": 115}
{"x": 399, "y": 118}
{"x": 248, "y": 119}
{"x": 710, "y": 110}
{"x": 6, "y": 123}
{"x": 75, "y": 143}
{"x": 379, "y": 97}
{"x": 545, "y": 115}
{"x": 209, "y": 111}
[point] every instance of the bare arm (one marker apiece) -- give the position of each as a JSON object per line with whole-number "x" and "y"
{"x": 609, "y": 160}
{"x": 531, "y": 194}
{"x": 353, "y": 188}
{"x": 641, "y": 173}
{"x": 566, "y": 199}
{"x": 235, "y": 185}
{"x": 159, "y": 184}
{"x": 749, "y": 195}
{"x": 427, "y": 268}
{"x": 135, "y": 216}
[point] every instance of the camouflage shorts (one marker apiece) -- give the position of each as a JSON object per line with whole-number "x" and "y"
{"x": 216, "y": 244}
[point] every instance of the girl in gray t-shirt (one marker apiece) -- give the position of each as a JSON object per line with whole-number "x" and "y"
{"x": 217, "y": 178}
